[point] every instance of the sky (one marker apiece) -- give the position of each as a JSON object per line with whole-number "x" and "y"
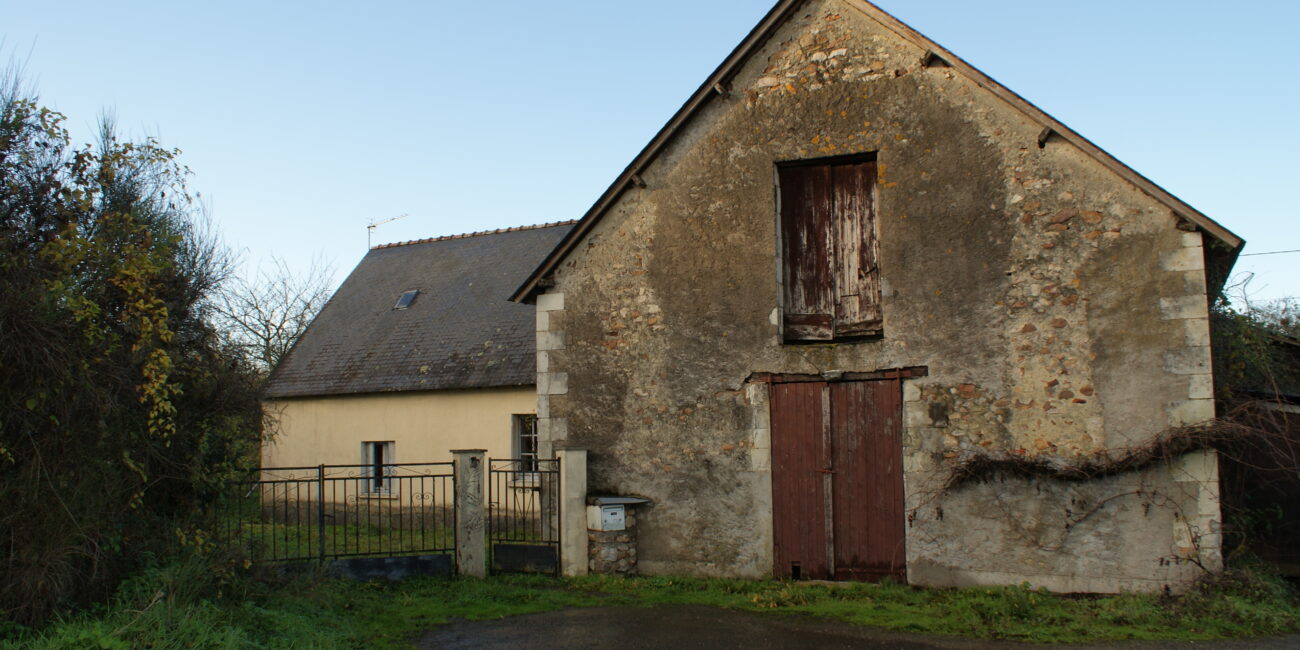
{"x": 303, "y": 122}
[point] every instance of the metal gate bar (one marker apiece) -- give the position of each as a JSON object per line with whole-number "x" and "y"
{"x": 283, "y": 514}
{"x": 523, "y": 515}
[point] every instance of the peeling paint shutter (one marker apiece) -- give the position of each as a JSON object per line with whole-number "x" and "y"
{"x": 829, "y": 251}
{"x": 857, "y": 278}
{"x": 807, "y": 239}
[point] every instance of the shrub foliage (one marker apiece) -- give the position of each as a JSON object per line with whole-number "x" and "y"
{"x": 120, "y": 408}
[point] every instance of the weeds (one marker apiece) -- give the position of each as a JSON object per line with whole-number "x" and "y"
{"x": 1243, "y": 602}
{"x": 176, "y": 606}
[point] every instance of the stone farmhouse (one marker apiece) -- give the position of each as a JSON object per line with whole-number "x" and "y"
{"x": 848, "y": 274}
{"x": 418, "y": 353}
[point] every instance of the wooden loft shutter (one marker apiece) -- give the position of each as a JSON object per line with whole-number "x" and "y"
{"x": 829, "y": 251}
{"x": 857, "y": 277}
{"x": 808, "y": 242}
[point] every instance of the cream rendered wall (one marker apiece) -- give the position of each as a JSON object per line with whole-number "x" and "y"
{"x": 423, "y": 426}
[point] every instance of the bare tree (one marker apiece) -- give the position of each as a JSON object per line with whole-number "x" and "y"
{"x": 1282, "y": 316}
{"x": 1279, "y": 315}
{"x": 263, "y": 315}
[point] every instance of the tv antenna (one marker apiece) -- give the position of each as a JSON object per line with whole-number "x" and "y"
{"x": 370, "y": 229}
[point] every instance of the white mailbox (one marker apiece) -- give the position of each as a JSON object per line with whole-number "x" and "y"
{"x": 607, "y": 518}
{"x": 610, "y": 513}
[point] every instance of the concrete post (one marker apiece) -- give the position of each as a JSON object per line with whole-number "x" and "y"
{"x": 471, "y": 542}
{"x": 573, "y": 511}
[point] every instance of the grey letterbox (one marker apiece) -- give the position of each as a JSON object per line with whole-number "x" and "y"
{"x": 613, "y": 517}
{"x": 609, "y": 514}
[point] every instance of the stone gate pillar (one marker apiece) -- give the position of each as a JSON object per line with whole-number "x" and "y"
{"x": 471, "y": 541}
{"x": 573, "y": 511}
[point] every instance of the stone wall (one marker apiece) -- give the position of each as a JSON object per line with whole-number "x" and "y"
{"x": 1059, "y": 310}
{"x": 551, "y": 385}
{"x": 614, "y": 552}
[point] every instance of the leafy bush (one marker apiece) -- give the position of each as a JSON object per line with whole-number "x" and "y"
{"x": 120, "y": 408}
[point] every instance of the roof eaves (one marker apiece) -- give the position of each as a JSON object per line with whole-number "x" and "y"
{"x": 716, "y": 83}
{"x": 297, "y": 375}
{"x": 1179, "y": 207}
{"x": 332, "y": 392}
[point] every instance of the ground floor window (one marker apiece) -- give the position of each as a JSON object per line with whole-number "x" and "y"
{"x": 525, "y": 441}
{"x": 377, "y": 460}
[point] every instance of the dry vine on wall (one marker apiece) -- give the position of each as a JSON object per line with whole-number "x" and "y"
{"x": 1259, "y": 450}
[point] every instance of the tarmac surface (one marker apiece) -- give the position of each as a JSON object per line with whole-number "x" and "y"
{"x": 685, "y": 627}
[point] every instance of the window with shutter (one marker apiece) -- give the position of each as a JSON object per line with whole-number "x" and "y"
{"x": 829, "y": 250}
{"x": 377, "y": 461}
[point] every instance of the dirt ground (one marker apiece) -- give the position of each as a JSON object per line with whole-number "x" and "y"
{"x": 686, "y": 627}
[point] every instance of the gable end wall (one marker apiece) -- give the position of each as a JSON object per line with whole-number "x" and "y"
{"x": 1059, "y": 310}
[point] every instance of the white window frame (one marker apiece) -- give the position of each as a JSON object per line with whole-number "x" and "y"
{"x": 385, "y": 486}
{"x": 520, "y": 424}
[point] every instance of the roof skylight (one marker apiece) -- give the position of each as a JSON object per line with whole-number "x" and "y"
{"x": 406, "y": 299}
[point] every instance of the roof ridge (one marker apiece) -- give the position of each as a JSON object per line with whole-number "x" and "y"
{"x": 475, "y": 234}
{"x": 717, "y": 85}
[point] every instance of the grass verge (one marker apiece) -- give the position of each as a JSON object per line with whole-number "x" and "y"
{"x": 168, "y": 608}
{"x": 1238, "y": 604}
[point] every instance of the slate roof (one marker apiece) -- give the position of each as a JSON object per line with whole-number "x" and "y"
{"x": 460, "y": 332}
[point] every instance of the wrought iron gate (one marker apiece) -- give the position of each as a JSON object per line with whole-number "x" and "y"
{"x": 523, "y": 515}
{"x": 331, "y": 512}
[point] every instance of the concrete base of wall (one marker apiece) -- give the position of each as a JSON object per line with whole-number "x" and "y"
{"x": 939, "y": 576}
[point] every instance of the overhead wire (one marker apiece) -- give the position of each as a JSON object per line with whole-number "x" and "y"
{"x": 1270, "y": 253}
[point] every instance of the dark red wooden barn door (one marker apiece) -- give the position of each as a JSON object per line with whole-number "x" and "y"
{"x": 837, "y": 481}
{"x": 867, "y": 483}
{"x": 800, "y": 417}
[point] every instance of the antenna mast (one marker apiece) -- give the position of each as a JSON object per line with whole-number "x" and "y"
{"x": 370, "y": 229}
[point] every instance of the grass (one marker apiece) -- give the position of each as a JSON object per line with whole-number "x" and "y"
{"x": 350, "y": 533}
{"x": 159, "y": 611}
{"x": 167, "y": 608}
{"x": 294, "y": 541}
{"x": 1250, "y": 606}
{"x": 271, "y": 542}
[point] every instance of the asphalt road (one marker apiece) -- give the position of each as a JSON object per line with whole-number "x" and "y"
{"x": 686, "y": 627}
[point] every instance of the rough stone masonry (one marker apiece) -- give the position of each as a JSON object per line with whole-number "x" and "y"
{"x": 1060, "y": 309}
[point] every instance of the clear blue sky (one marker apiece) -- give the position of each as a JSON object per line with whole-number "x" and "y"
{"x": 304, "y": 121}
